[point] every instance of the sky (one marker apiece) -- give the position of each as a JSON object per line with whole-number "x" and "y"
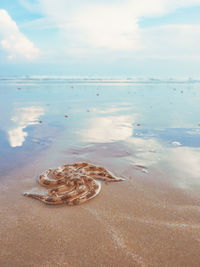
{"x": 100, "y": 38}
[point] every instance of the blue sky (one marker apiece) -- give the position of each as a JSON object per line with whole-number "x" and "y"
{"x": 90, "y": 37}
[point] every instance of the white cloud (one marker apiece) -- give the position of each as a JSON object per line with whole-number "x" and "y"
{"x": 93, "y": 25}
{"x": 13, "y": 41}
{"x": 88, "y": 26}
{"x": 146, "y": 8}
{"x": 171, "y": 41}
{"x": 110, "y": 29}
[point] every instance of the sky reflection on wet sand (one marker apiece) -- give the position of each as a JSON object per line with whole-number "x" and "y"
{"x": 152, "y": 125}
{"x": 146, "y": 133}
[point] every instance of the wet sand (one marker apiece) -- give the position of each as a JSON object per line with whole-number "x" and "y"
{"x": 145, "y": 133}
{"x": 139, "y": 222}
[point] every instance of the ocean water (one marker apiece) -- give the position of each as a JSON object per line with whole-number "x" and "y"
{"x": 142, "y": 123}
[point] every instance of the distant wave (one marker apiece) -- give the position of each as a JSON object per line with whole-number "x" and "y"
{"x": 91, "y": 79}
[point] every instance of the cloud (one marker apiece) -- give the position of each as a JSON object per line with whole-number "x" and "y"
{"x": 15, "y": 43}
{"x": 110, "y": 30}
{"x": 111, "y": 26}
{"x": 145, "y": 8}
{"x": 171, "y": 41}
{"x": 107, "y": 27}
{"x": 93, "y": 25}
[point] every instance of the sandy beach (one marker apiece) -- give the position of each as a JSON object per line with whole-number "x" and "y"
{"x": 152, "y": 141}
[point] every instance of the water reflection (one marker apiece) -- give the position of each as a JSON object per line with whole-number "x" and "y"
{"x": 108, "y": 129}
{"x": 23, "y": 118}
{"x": 179, "y": 164}
{"x": 184, "y": 163}
{"x": 147, "y": 152}
{"x": 145, "y": 149}
{"x": 153, "y": 126}
{"x": 173, "y": 136}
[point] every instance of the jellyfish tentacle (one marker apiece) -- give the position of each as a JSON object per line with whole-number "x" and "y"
{"x": 73, "y": 184}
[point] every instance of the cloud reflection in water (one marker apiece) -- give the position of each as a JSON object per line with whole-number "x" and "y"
{"x": 24, "y": 117}
{"x": 108, "y": 129}
{"x": 184, "y": 162}
{"x": 179, "y": 165}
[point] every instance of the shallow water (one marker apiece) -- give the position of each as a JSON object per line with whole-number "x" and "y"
{"x": 142, "y": 124}
{"x": 147, "y": 132}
